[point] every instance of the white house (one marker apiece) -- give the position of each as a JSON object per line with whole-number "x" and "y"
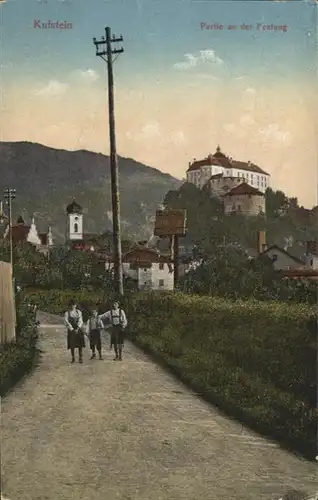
{"x": 200, "y": 171}
{"x": 283, "y": 260}
{"x": 148, "y": 268}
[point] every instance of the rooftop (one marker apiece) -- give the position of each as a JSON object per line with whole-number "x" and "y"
{"x": 244, "y": 189}
{"x": 44, "y": 239}
{"x": 74, "y": 208}
{"x": 220, "y": 159}
{"x": 19, "y": 233}
{"x": 285, "y": 252}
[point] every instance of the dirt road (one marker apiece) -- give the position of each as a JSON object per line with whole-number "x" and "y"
{"x": 126, "y": 430}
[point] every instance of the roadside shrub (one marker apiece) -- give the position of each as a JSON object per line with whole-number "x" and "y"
{"x": 255, "y": 360}
{"x": 19, "y": 357}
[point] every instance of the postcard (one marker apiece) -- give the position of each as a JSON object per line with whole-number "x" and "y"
{"x": 158, "y": 164}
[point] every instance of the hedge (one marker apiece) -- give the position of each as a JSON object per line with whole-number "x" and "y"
{"x": 18, "y": 358}
{"x": 254, "y": 360}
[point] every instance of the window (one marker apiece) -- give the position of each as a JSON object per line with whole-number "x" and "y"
{"x": 161, "y": 282}
{"x": 161, "y": 266}
{"x": 75, "y": 227}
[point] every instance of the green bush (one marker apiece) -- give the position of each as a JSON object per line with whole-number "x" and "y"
{"x": 255, "y": 360}
{"x": 18, "y": 358}
{"x": 56, "y": 301}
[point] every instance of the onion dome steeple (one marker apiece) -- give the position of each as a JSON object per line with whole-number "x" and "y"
{"x": 74, "y": 208}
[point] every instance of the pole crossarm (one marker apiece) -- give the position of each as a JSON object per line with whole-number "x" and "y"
{"x": 9, "y": 193}
{"x": 103, "y": 42}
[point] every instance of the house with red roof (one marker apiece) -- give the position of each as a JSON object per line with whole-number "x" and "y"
{"x": 201, "y": 171}
{"x": 150, "y": 269}
{"x": 22, "y": 232}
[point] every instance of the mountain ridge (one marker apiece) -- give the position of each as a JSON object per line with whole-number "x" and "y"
{"x": 46, "y": 179}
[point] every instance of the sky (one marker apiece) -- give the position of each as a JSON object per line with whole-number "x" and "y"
{"x": 182, "y": 84}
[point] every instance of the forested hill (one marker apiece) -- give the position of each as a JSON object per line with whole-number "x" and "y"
{"x": 286, "y": 223}
{"x": 46, "y": 180}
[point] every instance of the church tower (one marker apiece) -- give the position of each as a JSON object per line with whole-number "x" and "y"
{"x": 74, "y": 221}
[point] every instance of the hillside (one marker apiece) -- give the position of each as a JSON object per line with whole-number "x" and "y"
{"x": 46, "y": 180}
{"x": 286, "y": 223}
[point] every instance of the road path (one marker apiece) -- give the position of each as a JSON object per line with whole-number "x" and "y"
{"x": 127, "y": 430}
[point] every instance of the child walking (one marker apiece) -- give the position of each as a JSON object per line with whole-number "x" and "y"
{"x": 118, "y": 322}
{"x": 95, "y": 325}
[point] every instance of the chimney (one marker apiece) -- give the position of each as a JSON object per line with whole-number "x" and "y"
{"x": 261, "y": 241}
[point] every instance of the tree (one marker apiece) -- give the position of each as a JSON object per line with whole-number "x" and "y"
{"x": 208, "y": 227}
{"x": 276, "y": 202}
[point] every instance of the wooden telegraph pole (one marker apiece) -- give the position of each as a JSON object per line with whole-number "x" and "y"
{"x": 176, "y": 260}
{"x": 106, "y": 53}
{"x": 9, "y": 195}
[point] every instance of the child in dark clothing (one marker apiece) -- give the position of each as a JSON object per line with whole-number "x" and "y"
{"x": 95, "y": 325}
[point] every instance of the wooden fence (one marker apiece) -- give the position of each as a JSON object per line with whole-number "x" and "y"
{"x": 7, "y": 304}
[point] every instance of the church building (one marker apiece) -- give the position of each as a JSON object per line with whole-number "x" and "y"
{"x": 22, "y": 232}
{"x": 75, "y": 236}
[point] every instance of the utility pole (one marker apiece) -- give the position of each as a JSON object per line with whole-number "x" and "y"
{"x": 9, "y": 195}
{"x": 105, "y": 50}
{"x": 176, "y": 260}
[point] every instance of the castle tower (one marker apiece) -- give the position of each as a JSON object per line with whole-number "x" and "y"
{"x": 74, "y": 221}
